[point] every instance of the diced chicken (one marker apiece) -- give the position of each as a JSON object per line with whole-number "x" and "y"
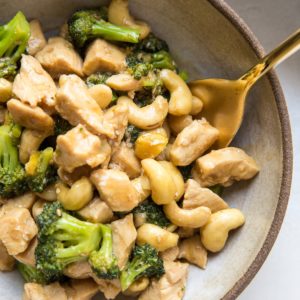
{"x": 192, "y": 142}
{"x": 170, "y": 254}
{"x": 28, "y": 257}
{"x": 178, "y": 123}
{"x": 79, "y": 147}
{"x": 78, "y": 270}
{"x": 17, "y": 230}
{"x": 24, "y": 201}
{"x": 37, "y": 39}
{"x": 30, "y": 117}
{"x": 110, "y": 288}
{"x": 84, "y": 289}
{"x": 171, "y": 286}
{"x": 115, "y": 121}
{"x": 196, "y": 196}
{"x": 7, "y": 262}
{"x": 5, "y": 90}
{"x": 70, "y": 178}
{"x": 115, "y": 189}
{"x": 124, "y": 159}
{"x": 34, "y": 291}
{"x": 124, "y": 236}
{"x": 103, "y": 56}
{"x": 96, "y": 211}
{"x": 33, "y": 84}
{"x": 76, "y": 105}
{"x": 224, "y": 166}
{"x": 123, "y": 82}
{"x": 192, "y": 250}
{"x": 59, "y": 57}
{"x": 185, "y": 232}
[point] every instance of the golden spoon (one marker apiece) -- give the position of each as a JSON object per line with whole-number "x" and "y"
{"x": 224, "y": 100}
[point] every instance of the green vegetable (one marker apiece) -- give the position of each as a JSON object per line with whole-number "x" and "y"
{"x": 12, "y": 174}
{"x": 85, "y": 25}
{"x": 98, "y": 78}
{"x": 61, "y": 126}
{"x": 163, "y": 60}
{"x": 40, "y": 170}
{"x": 152, "y": 44}
{"x": 151, "y": 213}
{"x": 144, "y": 262}
{"x": 31, "y": 274}
{"x": 14, "y": 37}
{"x": 63, "y": 239}
{"x": 132, "y": 133}
{"x": 104, "y": 262}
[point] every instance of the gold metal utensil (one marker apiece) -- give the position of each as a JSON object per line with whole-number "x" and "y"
{"x": 224, "y": 100}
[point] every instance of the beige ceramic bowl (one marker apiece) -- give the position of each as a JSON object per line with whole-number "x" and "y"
{"x": 210, "y": 40}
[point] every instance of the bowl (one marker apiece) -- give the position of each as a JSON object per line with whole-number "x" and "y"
{"x": 209, "y": 39}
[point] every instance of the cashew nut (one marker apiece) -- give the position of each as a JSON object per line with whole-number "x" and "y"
{"x": 122, "y": 82}
{"x": 176, "y": 176}
{"x": 147, "y": 117}
{"x": 142, "y": 185}
{"x": 118, "y": 13}
{"x": 102, "y": 94}
{"x": 215, "y": 233}
{"x": 150, "y": 144}
{"x": 5, "y": 90}
{"x": 193, "y": 218}
{"x": 181, "y": 97}
{"x": 159, "y": 238}
{"x": 162, "y": 184}
{"x": 49, "y": 193}
{"x": 178, "y": 123}
{"x": 197, "y": 106}
{"x": 76, "y": 197}
{"x": 37, "y": 208}
{"x": 137, "y": 287}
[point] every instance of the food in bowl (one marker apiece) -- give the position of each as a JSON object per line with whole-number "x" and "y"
{"x": 108, "y": 179}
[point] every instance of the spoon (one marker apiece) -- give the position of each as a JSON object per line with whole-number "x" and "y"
{"x": 224, "y": 100}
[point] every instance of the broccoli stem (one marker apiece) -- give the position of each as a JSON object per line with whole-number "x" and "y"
{"x": 112, "y": 32}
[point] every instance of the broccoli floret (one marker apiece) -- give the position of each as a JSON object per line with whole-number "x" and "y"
{"x": 104, "y": 262}
{"x": 163, "y": 60}
{"x": 217, "y": 189}
{"x": 144, "y": 262}
{"x": 152, "y": 44}
{"x": 63, "y": 239}
{"x": 40, "y": 170}
{"x": 14, "y": 37}
{"x": 132, "y": 133}
{"x": 61, "y": 125}
{"x": 31, "y": 274}
{"x": 98, "y": 78}
{"x": 12, "y": 174}
{"x": 149, "y": 212}
{"x": 85, "y": 25}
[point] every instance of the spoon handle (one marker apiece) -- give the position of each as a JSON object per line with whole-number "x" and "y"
{"x": 279, "y": 54}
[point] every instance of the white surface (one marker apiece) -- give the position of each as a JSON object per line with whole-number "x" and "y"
{"x": 272, "y": 21}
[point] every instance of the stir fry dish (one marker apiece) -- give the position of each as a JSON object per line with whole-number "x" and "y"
{"x": 109, "y": 179}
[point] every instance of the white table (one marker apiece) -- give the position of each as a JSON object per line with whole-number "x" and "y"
{"x": 272, "y": 21}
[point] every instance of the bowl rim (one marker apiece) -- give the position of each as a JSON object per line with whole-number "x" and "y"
{"x": 287, "y": 151}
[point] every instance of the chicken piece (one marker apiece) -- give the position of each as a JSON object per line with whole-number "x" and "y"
{"x": 178, "y": 123}
{"x": 5, "y": 90}
{"x": 110, "y": 288}
{"x": 170, "y": 254}
{"x": 34, "y": 291}
{"x": 7, "y": 262}
{"x": 103, "y": 56}
{"x": 30, "y": 117}
{"x": 192, "y": 142}
{"x": 24, "y": 201}
{"x": 196, "y": 196}
{"x": 75, "y": 104}
{"x": 224, "y": 166}
{"x": 78, "y": 270}
{"x": 192, "y": 250}
{"x": 171, "y": 286}
{"x": 28, "y": 257}
{"x": 79, "y": 147}
{"x": 116, "y": 121}
{"x": 70, "y": 178}
{"x": 59, "y": 57}
{"x": 124, "y": 159}
{"x": 37, "y": 39}
{"x": 185, "y": 232}
{"x": 96, "y": 211}
{"x": 33, "y": 84}
{"x": 115, "y": 189}
{"x": 84, "y": 289}
{"x": 124, "y": 236}
{"x": 17, "y": 230}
